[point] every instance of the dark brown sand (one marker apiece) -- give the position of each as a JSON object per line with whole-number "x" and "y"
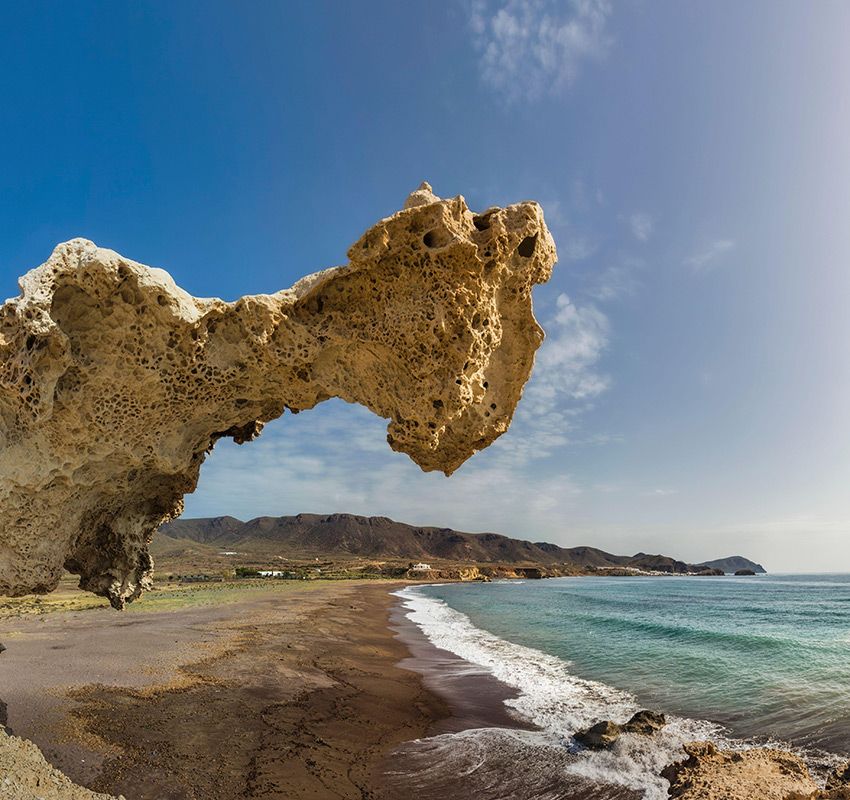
{"x": 290, "y": 694}
{"x": 475, "y": 698}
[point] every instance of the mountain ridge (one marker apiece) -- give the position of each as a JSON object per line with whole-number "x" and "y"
{"x": 350, "y": 535}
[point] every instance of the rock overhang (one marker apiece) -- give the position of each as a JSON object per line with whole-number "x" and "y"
{"x": 115, "y": 383}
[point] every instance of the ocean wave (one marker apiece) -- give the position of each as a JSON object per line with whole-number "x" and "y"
{"x": 685, "y": 633}
{"x": 560, "y": 703}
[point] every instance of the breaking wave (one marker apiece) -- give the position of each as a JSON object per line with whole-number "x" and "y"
{"x": 559, "y": 703}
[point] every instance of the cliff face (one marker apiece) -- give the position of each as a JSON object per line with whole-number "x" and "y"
{"x": 115, "y": 383}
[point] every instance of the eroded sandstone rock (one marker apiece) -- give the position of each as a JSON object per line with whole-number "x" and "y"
{"x": 605, "y": 733}
{"x": 839, "y": 780}
{"x": 26, "y": 775}
{"x": 757, "y": 774}
{"x": 115, "y": 383}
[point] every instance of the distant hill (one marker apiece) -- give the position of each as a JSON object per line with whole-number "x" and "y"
{"x": 380, "y": 538}
{"x": 220, "y": 531}
{"x": 733, "y": 563}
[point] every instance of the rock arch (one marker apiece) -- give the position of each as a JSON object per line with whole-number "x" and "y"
{"x": 115, "y": 383}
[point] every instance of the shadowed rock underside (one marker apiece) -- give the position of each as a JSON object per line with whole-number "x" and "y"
{"x": 115, "y": 383}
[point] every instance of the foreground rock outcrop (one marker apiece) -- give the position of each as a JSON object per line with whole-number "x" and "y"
{"x": 25, "y": 775}
{"x": 757, "y": 774}
{"x": 645, "y": 723}
{"x": 115, "y": 383}
{"x": 599, "y": 736}
{"x": 606, "y": 733}
{"x": 837, "y": 784}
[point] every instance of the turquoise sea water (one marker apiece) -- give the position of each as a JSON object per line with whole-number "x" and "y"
{"x": 764, "y": 656}
{"x": 739, "y": 661}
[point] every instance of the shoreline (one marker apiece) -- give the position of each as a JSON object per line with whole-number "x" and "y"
{"x": 814, "y": 765}
{"x": 476, "y": 750}
{"x": 475, "y": 697}
{"x": 324, "y": 690}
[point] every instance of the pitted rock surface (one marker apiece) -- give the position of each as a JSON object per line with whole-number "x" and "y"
{"x": 115, "y": 383}
{"x": 756, "y": 774}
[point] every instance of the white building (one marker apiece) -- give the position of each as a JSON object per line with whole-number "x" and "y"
{"x": 271, "y": 573}
{"x": 421, "y": 567}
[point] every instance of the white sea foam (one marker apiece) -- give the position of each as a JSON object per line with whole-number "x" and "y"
{"x": 561, "y": 703}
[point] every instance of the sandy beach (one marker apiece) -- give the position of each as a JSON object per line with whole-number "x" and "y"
{"x": 319, "y": 689}
{"x": 279, "y": 689}
{"x": 290, "y": 691}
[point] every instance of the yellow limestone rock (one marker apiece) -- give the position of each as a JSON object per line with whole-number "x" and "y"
{"x": 756, "y": 774}
{"x": 26, "y": 775}
{"x": 115, "y": 383}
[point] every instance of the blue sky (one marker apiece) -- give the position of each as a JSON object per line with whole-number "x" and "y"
{"x": 693, "y": 163}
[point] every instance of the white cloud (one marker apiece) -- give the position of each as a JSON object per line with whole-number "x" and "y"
{"x": 531, "y": 47}
{"x": 576, "y": 248}
{"x": 613, "y": 282}
{"x": 641, "y": 225}
{"x": 706, "y": 258}
{"x": 565, "y": 370}
{"x": 566, "y": 363}
{"x": 314, "y": 463}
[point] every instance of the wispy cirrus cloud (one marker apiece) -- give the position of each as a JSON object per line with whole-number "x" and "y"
{"x": 660, "y": 492}
{"x": 707, "y": 257}
{"x": 528, "y": 48}
{"x": 613, "y": 282}
{"x": 294, "y": 467}
{"x": 641, "y": 225}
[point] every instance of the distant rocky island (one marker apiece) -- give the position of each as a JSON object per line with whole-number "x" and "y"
{"x": 736, "y": 564}
{"x": 439, "y": 552}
